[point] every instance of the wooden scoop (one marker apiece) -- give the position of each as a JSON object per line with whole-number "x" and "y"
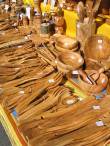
{"x": 89, "y": 78}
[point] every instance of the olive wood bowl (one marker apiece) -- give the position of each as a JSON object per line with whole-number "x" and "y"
{"x": 62, "y": 68}
{"x": 60, "y": 49}
{"x": 97, "y": 47}
{"x": 69, "y": 61}
{"x": 101, "y": 82}
{"x": 66, "y": 42}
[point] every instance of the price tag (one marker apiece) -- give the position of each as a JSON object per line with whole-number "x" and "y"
{"x": 96, "y": 107}
{"x": 100, "y": 41}
{"x": 20, "y": 46}
{"x": 16, "y": 69}
{"x": 26, "y": 38}
{"x": 51, "y": 81}
{"x": 75, "y": 72}
{"x": 70, "y": 101}
{"x": 99, "y": 123}
{"x": 56, "y": 61}
{"x": 21, "y": 92}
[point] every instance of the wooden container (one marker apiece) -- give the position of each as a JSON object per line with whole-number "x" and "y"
{"x": 84, "y": 31}
{"x": 45, "y": 28}
{"x": 59, "y": 22}
{"x": 69, "y": 61}
{"x": 61, "y": 49}
{"x": 97, "y": 47}
{"x": 66, "y": 42}
{"x": 100, "y": 85}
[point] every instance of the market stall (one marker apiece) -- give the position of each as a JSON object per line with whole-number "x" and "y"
{"x": 55, "y": 73}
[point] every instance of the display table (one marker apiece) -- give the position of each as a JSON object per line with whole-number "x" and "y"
{"x": 8, "y": 120}
{"x": 10, "y": 124}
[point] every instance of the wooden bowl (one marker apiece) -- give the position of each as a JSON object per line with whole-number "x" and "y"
{"x": 62, "y": 67}
{"x": 100, "y": 85}
{"x": 60, "y": 49}
{"x": 70, "y": 60}
{"x": 66, "y": 42}
{"x": 97, "y": 47}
